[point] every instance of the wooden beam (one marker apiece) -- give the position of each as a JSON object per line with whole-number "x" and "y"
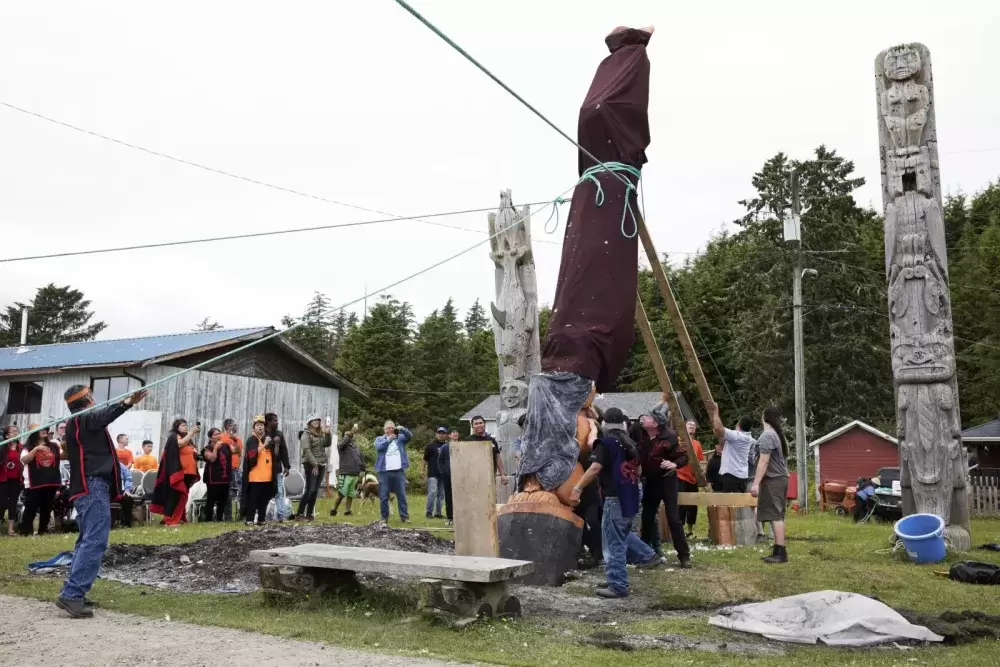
{"x": 668, "y": 390}
{"x": 716, "y": 499}
{"x": 474, "y": 493}
{"x": 675, "y": 314}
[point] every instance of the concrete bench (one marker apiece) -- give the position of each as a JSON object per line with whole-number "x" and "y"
{"x": 459, "y": 588}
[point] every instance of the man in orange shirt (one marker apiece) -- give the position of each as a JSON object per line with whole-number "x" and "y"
{"x": 230, "y": 437}
{"x": 687, "y": 481}
{"x": 146, "y": 461}
{"x": 123, "y": 452}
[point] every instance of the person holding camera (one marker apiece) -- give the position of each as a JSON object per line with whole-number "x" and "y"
{"x": 176, "y": 475}
{"x": 261, "y": 470}
{"x": 391, "y": 463}
{"x": 217, "y": 475}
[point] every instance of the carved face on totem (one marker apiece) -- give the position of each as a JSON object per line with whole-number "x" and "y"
{"x": 922, "y": 358}
{"x": 901, "y": 63}
{"x": 513, "y": 394}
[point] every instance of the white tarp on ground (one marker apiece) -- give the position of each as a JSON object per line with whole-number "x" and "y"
{"x": 831, "y": 617}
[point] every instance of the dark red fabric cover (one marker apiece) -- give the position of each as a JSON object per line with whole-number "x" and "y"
{"x": 592, "y": 325}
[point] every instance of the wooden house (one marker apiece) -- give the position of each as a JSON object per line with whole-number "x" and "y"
{"x": 272, "y": 376}
{"x": 852, "y": 451}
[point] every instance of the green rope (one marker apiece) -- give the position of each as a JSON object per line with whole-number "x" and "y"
{"x": 554, "y": 214}
{"x": 591, "y": 175}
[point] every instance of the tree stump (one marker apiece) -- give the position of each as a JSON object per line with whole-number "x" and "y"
{"x": 732, "y": 526}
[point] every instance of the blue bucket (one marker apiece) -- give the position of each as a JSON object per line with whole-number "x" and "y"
{"x": 923, "y": 537}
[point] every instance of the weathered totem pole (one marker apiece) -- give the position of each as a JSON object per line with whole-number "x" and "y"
{"x": 933, "y": 463}
{"x": 515, "y": 318}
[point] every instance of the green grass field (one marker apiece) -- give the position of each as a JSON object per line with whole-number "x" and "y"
{"x": 826, "y": 552}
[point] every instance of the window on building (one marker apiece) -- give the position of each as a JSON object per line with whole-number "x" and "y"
{"x": 24, "y": 398}
{"x": 105, "y": 388}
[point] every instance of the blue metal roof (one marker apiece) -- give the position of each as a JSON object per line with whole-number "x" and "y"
{"x": 990, "y": 429}
{"x": 124, "y": 351}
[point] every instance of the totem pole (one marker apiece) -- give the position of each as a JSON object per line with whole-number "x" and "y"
{"x": 515, "y": 317}
{"x": 933, "y": 463}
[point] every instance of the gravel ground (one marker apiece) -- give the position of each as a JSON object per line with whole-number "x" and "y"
{"x": 51, "y": 639}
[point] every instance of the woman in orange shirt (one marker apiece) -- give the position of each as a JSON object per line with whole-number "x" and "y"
{"x": 260, "y": 474}
{"x": 177, "y": 472}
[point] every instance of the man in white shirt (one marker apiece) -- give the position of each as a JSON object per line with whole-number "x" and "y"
{"x": 736, "y": 444}
{"x": 391, "y": 463}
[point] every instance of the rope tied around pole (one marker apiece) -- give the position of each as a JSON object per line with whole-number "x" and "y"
{"x": 591, "y": 175}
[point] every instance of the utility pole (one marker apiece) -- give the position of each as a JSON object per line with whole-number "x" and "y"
{"x": 793, "y": 234}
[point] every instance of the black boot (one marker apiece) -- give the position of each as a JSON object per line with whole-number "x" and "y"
{"x": 778, "y": 555}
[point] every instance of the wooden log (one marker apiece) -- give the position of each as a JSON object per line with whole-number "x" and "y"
{"x": 667, "y": 389}
{"x": 475, "y": 504}
{"x": 732, "y": 526}
{"x": 675, "y": 314}
{"x": 662, "y": 524}
{"x": 716, "y": 499}
{"x": 537, "y": 527}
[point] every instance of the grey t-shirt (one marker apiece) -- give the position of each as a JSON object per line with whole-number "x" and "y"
{"x": 770, "y": 443}
{"x": 735, "y": 454}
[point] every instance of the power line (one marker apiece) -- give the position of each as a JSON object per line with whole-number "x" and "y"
{"x": 252, "y": 235}
{"x": 240, "y": 177}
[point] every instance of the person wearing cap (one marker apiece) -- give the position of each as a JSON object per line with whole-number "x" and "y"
{"x": 430, "y": 469}
{"x": 314, "y": 447}
{"x": 615, "y": 464}
{"x": 661, "y": 456}
{"x": 95, "y": 481}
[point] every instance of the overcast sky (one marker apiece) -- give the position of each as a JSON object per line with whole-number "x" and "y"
{"x": 358, "y": 102}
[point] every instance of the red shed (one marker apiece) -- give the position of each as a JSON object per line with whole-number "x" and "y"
{"x": 853, "y": 451}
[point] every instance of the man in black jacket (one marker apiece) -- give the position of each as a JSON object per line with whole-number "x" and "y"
{"x": 281, "y": 450}
{"x": 95, "y": 481}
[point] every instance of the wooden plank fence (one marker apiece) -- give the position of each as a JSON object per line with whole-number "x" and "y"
{"x": 984, "y": 492}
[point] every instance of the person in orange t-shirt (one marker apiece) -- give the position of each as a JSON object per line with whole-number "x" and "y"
{"x": 688, "y": 482}
{"x": 123, "y": 452}
{"x": 145, "y": 461}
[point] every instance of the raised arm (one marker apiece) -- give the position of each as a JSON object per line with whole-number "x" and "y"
{"x": 717, "y": 426}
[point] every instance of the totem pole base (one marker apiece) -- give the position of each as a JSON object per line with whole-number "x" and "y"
{"x": 538, "y": 528}
{"x": 958, "y": 538}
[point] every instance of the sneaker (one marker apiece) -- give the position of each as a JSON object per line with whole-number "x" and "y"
{"x": 75, "y": 608}
{"x": 685, "y": 564}
{"x": 610, "y": 594}
{"x": 347, "y": 513}
{"x": 429, "y": 515}
{"x": 650, "y": 564}
{"x": 449, "y": 523}
{"x": 334, "y": 513}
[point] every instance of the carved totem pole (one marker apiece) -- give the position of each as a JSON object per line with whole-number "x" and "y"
{"x": 515, "y": 317}
{"x": 933, "y": 463}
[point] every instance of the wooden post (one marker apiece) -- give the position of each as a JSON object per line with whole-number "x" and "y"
{"x": 474, "y": 493}
{"x": 733, "y": 526}
{"x": 675, "y": 316}
{"x": 668, "y": 390}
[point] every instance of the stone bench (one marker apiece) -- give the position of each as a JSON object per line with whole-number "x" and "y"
{"x": 459, "y": 588}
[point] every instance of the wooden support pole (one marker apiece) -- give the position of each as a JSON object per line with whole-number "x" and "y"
{"x": 675, "y": 316}
{"x": 474, "y": 492}
{"x": 668, "y": 390}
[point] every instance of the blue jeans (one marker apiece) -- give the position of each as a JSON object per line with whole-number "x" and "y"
{"x": 279, "y": 500}
{"x": 93, "y": 518}
{"x": 621, "y": 545}
{"x": 392, "y": 481}
{"x": 435, "y": 496}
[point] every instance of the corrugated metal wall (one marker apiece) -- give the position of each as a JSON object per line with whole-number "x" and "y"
{"x": 855, "y": 454}
{"x": 198, "y": 396}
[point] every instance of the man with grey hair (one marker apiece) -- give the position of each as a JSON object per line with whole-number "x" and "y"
{"x": 391, "y": 463}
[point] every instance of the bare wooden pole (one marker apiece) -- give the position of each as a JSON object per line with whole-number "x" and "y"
{"x": 668, "y": 390}
{"x": 675, "y": 316}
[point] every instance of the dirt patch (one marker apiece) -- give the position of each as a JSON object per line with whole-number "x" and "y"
{"x": 960, "y": 627}
{"x": 220, "y": 564}
{"x": 673, "y": 642}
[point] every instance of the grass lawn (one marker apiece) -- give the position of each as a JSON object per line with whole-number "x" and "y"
{"x": 826, "y": 552}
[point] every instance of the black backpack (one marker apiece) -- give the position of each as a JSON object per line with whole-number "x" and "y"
{"x": 972, "y": 572}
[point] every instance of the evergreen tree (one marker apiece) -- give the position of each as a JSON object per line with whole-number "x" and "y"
{"x": 313, "y": 332}
{"x": 56, "y": 315}
{"x": 476, "y": 320}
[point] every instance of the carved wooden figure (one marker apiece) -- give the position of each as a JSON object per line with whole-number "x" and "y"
{"x": 515, "y": 316}
{"x": 933, "y": 464}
